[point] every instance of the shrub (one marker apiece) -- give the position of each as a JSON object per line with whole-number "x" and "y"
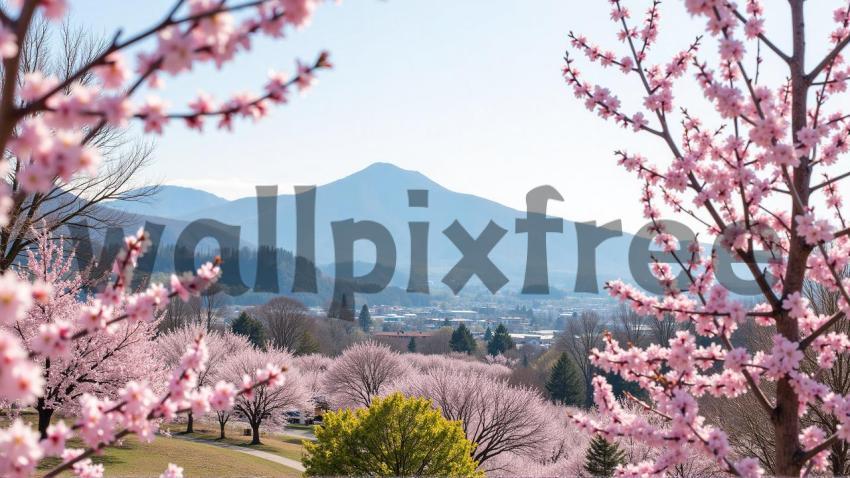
{"x": 395, "y": 436}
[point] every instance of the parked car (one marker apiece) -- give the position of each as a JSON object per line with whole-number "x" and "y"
{"x": 298, "y": 417}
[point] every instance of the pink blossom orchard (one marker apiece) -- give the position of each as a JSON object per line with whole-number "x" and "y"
{"x": 762, "y": 174}
{"x": 48, "y": 124}
{"x": 101, "y": 363}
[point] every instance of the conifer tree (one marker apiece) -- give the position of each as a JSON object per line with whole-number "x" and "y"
{"x": 488, "y": 334}
{"x": 603, "y": 457}
{"x": 501, "y": 341}
{"x": 462, "y": 340}
{"x": 564, "y": 385}
{"x": 247, "y": 326}
{"x": 411, "y": 346}
{"x": 365, "y": 318}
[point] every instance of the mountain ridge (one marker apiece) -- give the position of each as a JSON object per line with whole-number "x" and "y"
{"x": 379, "y": 193}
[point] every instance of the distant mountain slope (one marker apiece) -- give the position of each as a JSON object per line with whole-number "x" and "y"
{"x": 379, "y": 193}
{"x": 170, "y": 201}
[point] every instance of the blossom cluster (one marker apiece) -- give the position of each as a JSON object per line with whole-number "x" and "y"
{"x": 729, "y": 172}
{"x": 47, "y": 127}
{"x": 60, "y": 116}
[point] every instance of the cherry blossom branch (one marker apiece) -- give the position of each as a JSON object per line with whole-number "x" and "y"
{"x": 761, "y": 36}
{"x": 806, "y": 342}
{"x": 116, "y": 46}
{"x": 11, "y": 67}
{"x": 827, "y": 60}
{"x": 830, "y": 181}
{"x": 825, "y": 445}
{"x": 153, "y": 415}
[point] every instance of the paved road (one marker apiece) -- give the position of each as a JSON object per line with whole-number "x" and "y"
{"x": 296, "y": 465}
{"x": 300, "y": 433}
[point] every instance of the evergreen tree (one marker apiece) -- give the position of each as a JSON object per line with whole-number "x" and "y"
{"x": 411, "y": 346}
{"x": 488, "y": 334}
{"x": 307, "y": 345}
{"x": 462, "y": 340}
{"x": 621, "y": 387}
{"x": 500, "y": 342}
{"x": 564, "y": 385}
{"x": 365, "y": 318}
{"x": 603, "y": 457}
{"x": 249, "y": 327}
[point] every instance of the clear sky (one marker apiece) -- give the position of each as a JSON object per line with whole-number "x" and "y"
{"x": 467, "y": 92}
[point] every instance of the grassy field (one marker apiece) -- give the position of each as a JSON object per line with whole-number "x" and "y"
{"x": 133, "y": 459}
{"x": 288, "y": 447}
{"x": 297, "y": 426}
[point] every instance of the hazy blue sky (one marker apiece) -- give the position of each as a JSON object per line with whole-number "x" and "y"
{"x": 468, "y": 92}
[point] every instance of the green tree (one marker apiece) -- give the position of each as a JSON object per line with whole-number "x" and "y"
{"x": 564, "y": 385}
{"x": 251, "y": 328}
{"x": 462, "y": 340}
{"x": 307, "y": 345}
{"x": 603, "y": 457}
{"x": 488, "y": 334}
{"x": 500, "y": 342}
{"x": 411, "y": 346}
{"x": 365, "y": 318}
{"x": 621, "y": 387}
{"x": 395, "y": 436}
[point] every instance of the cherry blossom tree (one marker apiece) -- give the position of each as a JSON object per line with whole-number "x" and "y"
{"x": 47, "y": 124}
{"x": 761, "y": 173}
{"x": 100, "y": 363}
{"x": 312, "y": 369}
{"x": 560, "y": 450}
{"x": 221, "y": 346}
{"x": 364, "y": 371}
{"x": 265, "y": 404}
{"x": 496, "y": 417}
{"x": 460, "y": 362}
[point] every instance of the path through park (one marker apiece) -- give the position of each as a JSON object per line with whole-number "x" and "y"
{"x": 294, "y": 464}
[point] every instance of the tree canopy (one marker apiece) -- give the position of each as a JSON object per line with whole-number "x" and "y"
{"x": 251, "y": 328}
{"x": 564, "y": 385}
{"x": 365, "y": 318}
{"x": 603, "y": 457}
{"x": 462, "y": 340}
{"x": 395, "y": 436}
{"x": 501, "y": 341}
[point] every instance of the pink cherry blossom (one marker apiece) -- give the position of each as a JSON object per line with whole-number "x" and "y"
{"x": 153, "y": 112}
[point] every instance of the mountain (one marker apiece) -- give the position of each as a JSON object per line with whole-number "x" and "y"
{"x": 169, "y": 201}
{"x": 380, "y": 193}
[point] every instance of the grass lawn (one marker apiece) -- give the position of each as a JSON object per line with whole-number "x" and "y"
{"x": 298, "y": 426}
{"x": 134, "y": 459}
{"x": 288, "y": 447}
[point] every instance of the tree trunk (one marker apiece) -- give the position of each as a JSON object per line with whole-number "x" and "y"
{"x": 190, "y": 424}
{"x": 255, "y": 434}
{"x": 838, "y": 459}
{"x": 44, "y": 416}
{"x": 786, "y": 421}
{"x": 221, "y": 433}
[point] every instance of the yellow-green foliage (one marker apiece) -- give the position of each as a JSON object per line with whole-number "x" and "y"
{"x": 395, "y": 436}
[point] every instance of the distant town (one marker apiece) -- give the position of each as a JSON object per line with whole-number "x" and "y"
{"x": 536, "y": 324}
